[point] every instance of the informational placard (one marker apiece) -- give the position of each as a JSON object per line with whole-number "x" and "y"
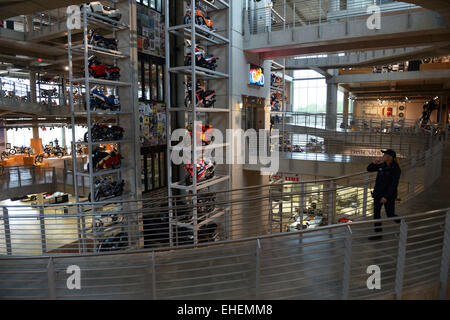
{"x": 152, "y": 123}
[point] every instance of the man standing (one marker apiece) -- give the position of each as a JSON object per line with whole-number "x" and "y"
{"x": 385, "y": 191}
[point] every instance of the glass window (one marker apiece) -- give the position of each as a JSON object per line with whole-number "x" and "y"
{"x": 143, "y": 179}
{"x": 161, "y": 83}
{"x": 153, "y": 4}
{"x": 147, "y": 80}
{"x": 156, "y": 171}
{"x": 145, "y": 2}
{"x": 149, "y": 173}
{"x": 154, "y": 87}
{"x": 158, "y": 5}
{"x": 310, "y": 92}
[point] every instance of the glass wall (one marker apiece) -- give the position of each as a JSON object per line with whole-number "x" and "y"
{"x": 310, "y": 93}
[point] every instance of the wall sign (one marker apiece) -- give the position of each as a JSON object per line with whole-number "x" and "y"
{"x": 256, "y": 76}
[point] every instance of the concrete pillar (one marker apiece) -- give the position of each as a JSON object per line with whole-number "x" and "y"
{"x": 346, "y": 107}
{"x": 63, "y": 136}
{"x": 29, "y": 25}
{"x": 33, "y": 86}
{"x": 332, "y": 89}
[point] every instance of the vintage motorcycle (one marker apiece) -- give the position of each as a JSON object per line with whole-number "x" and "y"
{"x": 106, "y": 160}
{"x": 103, "y": 11}
{"x": 97, "y": 40}
{"x": 202, "y": 59}
{"x": 56, "y": 151}
{"x": 201, "y": 18}
{"x": 98, "y": 100}
{"x": 205, "y": 99}
{"x": 106, "y": 189}
{"x": 103, "y": 71}
{"x": 103, "y": 132}
{"x": 205, "y": 171}
{"x": 203, "y": 133}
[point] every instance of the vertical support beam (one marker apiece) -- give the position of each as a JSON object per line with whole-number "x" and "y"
{"x": 347, "y": 263}
{"x": 401, "y": 260}
{"x": 270, "y": 209}
{"x": 445, "y": 258}
{"x": 332, "y": 89}
{"x": 153, "y": 275}
{"x": 345, "y": 109}
{"x": 42, "y": 228}
{"x": 412, "y": 175}
{"x": 331, "y": 203}
{"x": 366, "y": 190}
{"x": 258, "y": 268}
{"x": 7, "y": 231}
{"x": 51, "y": 280}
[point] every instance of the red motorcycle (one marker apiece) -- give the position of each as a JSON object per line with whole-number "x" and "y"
{"x": 203, "y": 133}
{"x": 103, "y": 71}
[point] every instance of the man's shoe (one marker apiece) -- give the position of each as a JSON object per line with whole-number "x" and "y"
{"x": 376, "y": 237}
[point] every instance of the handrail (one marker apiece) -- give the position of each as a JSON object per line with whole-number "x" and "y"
{"x": 233, "y": 241}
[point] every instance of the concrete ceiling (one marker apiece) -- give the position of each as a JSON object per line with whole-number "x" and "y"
{"x": 13, "y": 8}
{"x": 440, "y": 6}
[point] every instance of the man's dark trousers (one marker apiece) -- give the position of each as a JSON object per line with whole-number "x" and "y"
{"x": 389, "y": 206}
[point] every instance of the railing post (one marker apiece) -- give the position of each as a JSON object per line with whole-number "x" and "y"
{"x": 401, "y": 260}
{"x": 18, "y": 177}
{"x": 366, "y": 189}
{"x": 347, "y": 263}
{"x": 153, "y": 275}
{"x": 7, "y": 231}
{"x": 51, "y": 279}
{"x": 445, "y": 258}
{"x": 42, "y": 227}
{"x": 258, "y": 268}
{"x": 412, "y": 175}
{"x": 270, "y": 210}
{"x": 331, "y": 202}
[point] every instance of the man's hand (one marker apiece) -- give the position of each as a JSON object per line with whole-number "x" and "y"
{"x": 376, "y": 161}
{"x": 383, "y": 200}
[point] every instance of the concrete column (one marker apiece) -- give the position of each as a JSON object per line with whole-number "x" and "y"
{"x": 346, "y": 107}
{"x": 29, "y": 25}
{"x": 332, "y": 89}
{"x": 33, "y": 86}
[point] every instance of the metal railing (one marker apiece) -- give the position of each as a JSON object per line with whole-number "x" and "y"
{"x": 352, "y": 136}
{"x": 222, "y": 214}
{"x": 292, "y": 14}
{"x": 331, "y": 262}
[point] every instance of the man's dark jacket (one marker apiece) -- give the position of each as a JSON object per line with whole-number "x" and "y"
{"x": 388, "y": 177}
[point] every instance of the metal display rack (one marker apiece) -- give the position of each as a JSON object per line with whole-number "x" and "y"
{"x": 125, "y": 117}
{"x": 277, "y": 67}
{"x": 219, "y": 43}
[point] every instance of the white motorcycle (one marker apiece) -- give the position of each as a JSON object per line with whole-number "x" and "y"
{"x": 105, "y": 11}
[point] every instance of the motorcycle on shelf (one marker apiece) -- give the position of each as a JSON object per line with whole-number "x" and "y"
{"x": 105, "y": 188}
{"x": 205, "y": 171}
{"x": 102, "y": 11}
{"x": 98, "y": 100}
{"x": 103, "y": 132}
{"x": 97, "y": 40}
{"x": 201, "y": 18}
{"x": 202, "y": 59}
{"x": 204, "y": 99}
{"x": 203, "y": 133}
{"x": 102, "y": 71}
{"x": 106, "y": 160}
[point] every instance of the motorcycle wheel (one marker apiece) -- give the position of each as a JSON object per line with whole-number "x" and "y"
{"x": 187, "y": 61}
{"x": 46, "y": 155}
{"x": 86, "y": 137}
{"x": 188, "y": 180}
{"x": 12, "y": 151}
{"x": 59, "y": 154}
{"x": 112, "y": 47}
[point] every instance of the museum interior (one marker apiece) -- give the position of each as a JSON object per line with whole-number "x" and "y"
{"x": 99, "y": 133}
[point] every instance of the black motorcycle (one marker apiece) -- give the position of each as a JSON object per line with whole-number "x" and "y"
{"x": 205, "y": 99}
{"x": 202, "y": 59}
{"x": 114, "y": 243}
{"x": 106, "y": 189}
{"x": 97, "y": 40}
{"x": 102, "y": 132}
